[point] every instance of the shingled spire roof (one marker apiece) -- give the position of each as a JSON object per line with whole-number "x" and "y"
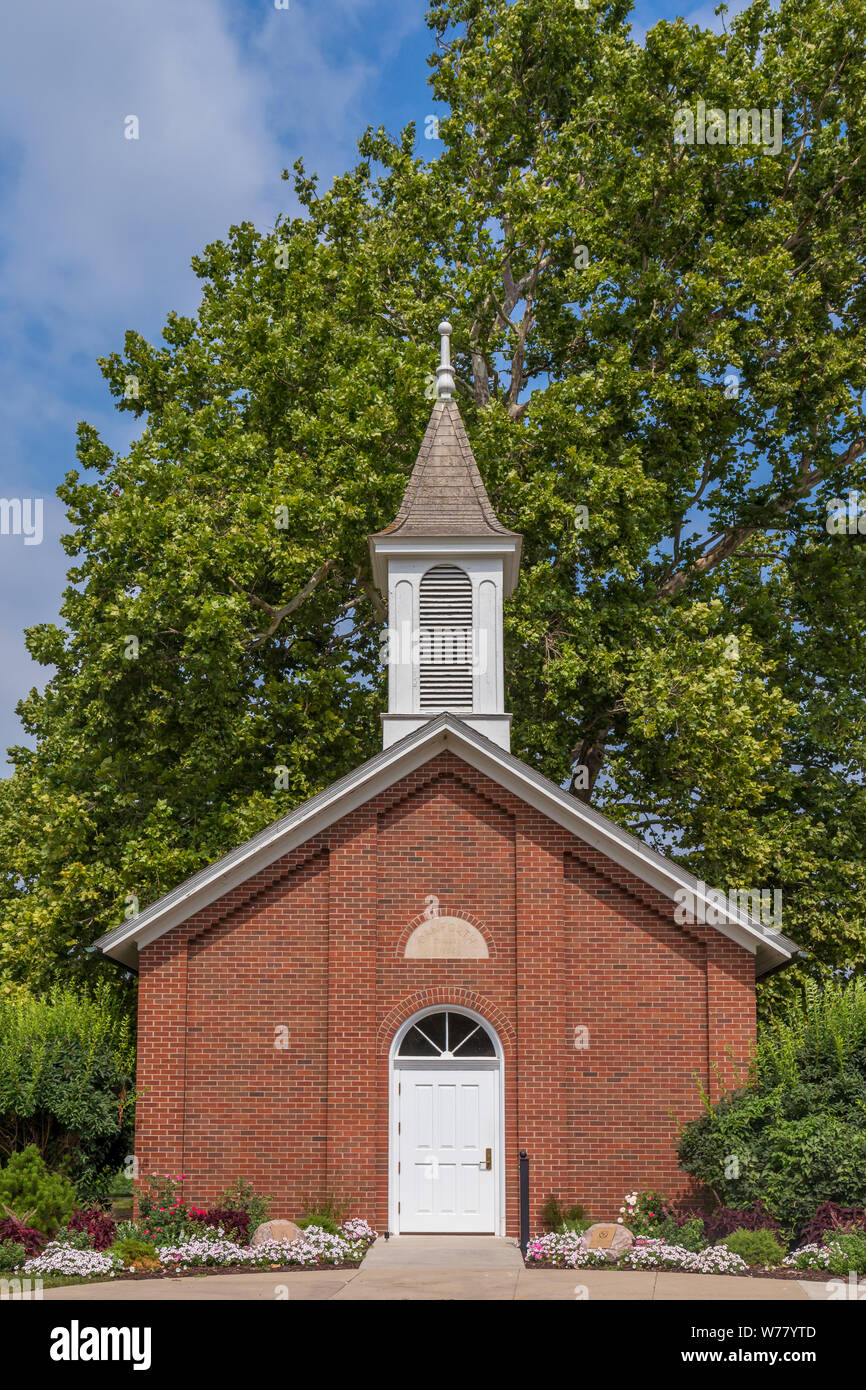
{"x": 445, "y": 495}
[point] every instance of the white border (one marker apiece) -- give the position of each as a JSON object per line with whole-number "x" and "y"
{"x": 398, "y": 1064}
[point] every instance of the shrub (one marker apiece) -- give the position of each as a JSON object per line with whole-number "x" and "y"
{"x": 688, "y": 1234}
{"x": 11, "y": 1229}
{"x": 725, "y": 1220}
{"x": 327, "y": 1213}
{"x": 98, "y": 1225}
{"x": 67, "y": 1067}
{"x": 244, "y": 1197}
{"x": 31, "y": 1193}
{"x": 755, "y": 1247}
{"x": 11, "y": 1256}
{"x": 236, "y": 1224}
{"x": 555, "y": 1216}
{"x": 830, "y": 1217}
{"x": 642, "y": 1212}
{"x": 135, "y": 1252}
{"x": 811, "y": 1256}
{"x": 847, "y": 1252}
{"x": 796, "y": 1127}
{"x": 163, "y": 1214}
{"x": 576, "y": 1224}
{"x": 79, "y": 1240}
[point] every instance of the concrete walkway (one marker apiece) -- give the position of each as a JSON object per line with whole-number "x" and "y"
{"x": 466, "y": 1268}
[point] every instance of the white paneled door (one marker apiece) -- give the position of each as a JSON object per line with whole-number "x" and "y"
{"x": 447, "y": 1140}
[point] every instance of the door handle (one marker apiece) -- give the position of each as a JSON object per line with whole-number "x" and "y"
{"x": 488, "y": 1159}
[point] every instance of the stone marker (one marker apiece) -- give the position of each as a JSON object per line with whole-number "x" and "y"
{"x": 276, "y": 1230}
{"x": 611, "y": 1240}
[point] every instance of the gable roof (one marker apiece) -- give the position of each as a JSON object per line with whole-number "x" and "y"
{"x": 445, "y": 495}
{"x": 445, "y": 732}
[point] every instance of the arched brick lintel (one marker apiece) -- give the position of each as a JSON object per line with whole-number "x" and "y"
{"x": 426, "y": 998}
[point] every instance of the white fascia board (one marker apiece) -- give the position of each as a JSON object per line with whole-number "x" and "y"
{"x": 442, "y": 547}
{"x": 446, "y": 731}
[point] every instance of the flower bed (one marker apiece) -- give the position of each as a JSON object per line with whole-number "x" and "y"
{"x": 58, "y": 1258}
{"x": 315, "y": 1249}
{"x": 565, "y": 1250}
{"x": 658, "y": 1254}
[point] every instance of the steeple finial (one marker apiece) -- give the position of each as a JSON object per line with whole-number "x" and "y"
{"x": 444, "y": 375}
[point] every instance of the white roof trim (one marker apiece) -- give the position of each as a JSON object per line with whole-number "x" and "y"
{"x": 446, "y": 731}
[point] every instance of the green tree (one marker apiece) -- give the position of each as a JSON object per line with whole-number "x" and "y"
{"x": 660, "y": 359}
{"x": 67, "y": 1073}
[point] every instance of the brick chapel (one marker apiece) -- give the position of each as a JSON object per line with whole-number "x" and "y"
{"x": 443, "y": 958}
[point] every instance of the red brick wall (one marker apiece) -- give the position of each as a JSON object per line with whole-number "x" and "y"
{"x": 313, "y": 946}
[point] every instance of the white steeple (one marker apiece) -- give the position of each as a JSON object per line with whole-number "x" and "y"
{"x": 446, "y": 563}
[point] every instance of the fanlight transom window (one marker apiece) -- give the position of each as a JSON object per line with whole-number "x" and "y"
{"x": 445, "y": 647}
{"x": 446, "y": 1035}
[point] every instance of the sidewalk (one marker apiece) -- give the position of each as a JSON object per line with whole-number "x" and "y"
{"x": 463, "y": 1268}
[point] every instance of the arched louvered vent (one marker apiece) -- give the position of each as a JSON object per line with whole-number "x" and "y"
{"x": 445, "y": 645}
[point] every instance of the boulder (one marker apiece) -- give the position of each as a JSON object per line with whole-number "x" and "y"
{"x": 610, "y": 1239}
{"x": 276, "y": 1230}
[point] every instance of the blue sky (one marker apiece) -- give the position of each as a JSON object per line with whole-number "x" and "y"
{"x": 97, "y": 231}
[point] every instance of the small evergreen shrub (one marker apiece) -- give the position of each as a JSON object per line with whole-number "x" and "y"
{"x": 755, "y": 1247}
{"x": 76, "y": 1240}
{"x": 31, "y": 1193}
{"x": 140, "y": 1253}
{"x": 11, "y": 1256}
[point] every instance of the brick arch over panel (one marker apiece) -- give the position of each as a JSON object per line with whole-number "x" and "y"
{"x": 425, "y": 998}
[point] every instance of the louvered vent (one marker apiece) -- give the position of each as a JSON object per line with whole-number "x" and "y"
{"x": 445, "y": 645}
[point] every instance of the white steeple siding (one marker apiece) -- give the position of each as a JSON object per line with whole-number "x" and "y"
{"x": 446, "y": 563}
{"x": 408, "y": 653}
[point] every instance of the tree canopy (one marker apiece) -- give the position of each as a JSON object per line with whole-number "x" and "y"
{"x": 660, "y": 361}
